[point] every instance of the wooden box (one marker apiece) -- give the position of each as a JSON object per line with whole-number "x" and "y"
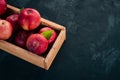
{"x": 40, "y": 61}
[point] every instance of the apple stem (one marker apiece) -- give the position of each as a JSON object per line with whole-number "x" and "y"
{"x": 3, "y": 23}
{"x": 28, "y": 12}
{"x": 35, "y": 44}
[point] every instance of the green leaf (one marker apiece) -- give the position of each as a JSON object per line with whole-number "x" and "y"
{"x": 47, "y": 34}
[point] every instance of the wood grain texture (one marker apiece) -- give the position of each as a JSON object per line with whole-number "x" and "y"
{"x": 54, "y": 50}
{"x": 22, "y": 53}
{"x": 51, "y": 24}
{"x": 14, "y": 9}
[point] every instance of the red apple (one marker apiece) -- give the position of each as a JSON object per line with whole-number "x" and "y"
{"x": 21, "y": 38}
{"x": 5, "y": 29}
{"x": 29, "y": 19}
{"x": 13, "y": 19}
{"x": 37, "y": 44}
{"x": 44, "y": 29}
{"x": 3, "y": 6}
{"x": 52, "y": 37}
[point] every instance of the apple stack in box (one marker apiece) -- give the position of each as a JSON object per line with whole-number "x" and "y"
{"x": 24, "y": 27}
{"x": 25, "y": 34}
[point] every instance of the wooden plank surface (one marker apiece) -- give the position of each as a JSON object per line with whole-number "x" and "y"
{"x": 14, "y": 9}
{"x": 54, "y": 50}
{"x": 21, "y": 53}
{"x": 51, "y": 24}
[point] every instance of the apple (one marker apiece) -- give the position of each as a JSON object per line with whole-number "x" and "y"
{"x": 13, "y": 19}
{"x": 37, "y": 43}
{"x": 48, "y": 29}
{"x": 21, "y": 38}
{"x": 3, "y": 6}
{"x": 29, "y": 19}
{"x": 5, "y": 29}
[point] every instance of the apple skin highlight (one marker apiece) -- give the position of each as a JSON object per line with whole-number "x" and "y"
{"x": 6, "y": 29}
{"x": 37, "y": 44}
{"x": 29, "y": 19}
{"x": 13, "y": 19}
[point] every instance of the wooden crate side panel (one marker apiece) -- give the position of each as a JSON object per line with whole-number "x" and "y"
{"x": 54, "y": 50}
{"x": 51, "y": 24}
{"x": 14, "y": 9}
{"x": 21, "y": 53}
